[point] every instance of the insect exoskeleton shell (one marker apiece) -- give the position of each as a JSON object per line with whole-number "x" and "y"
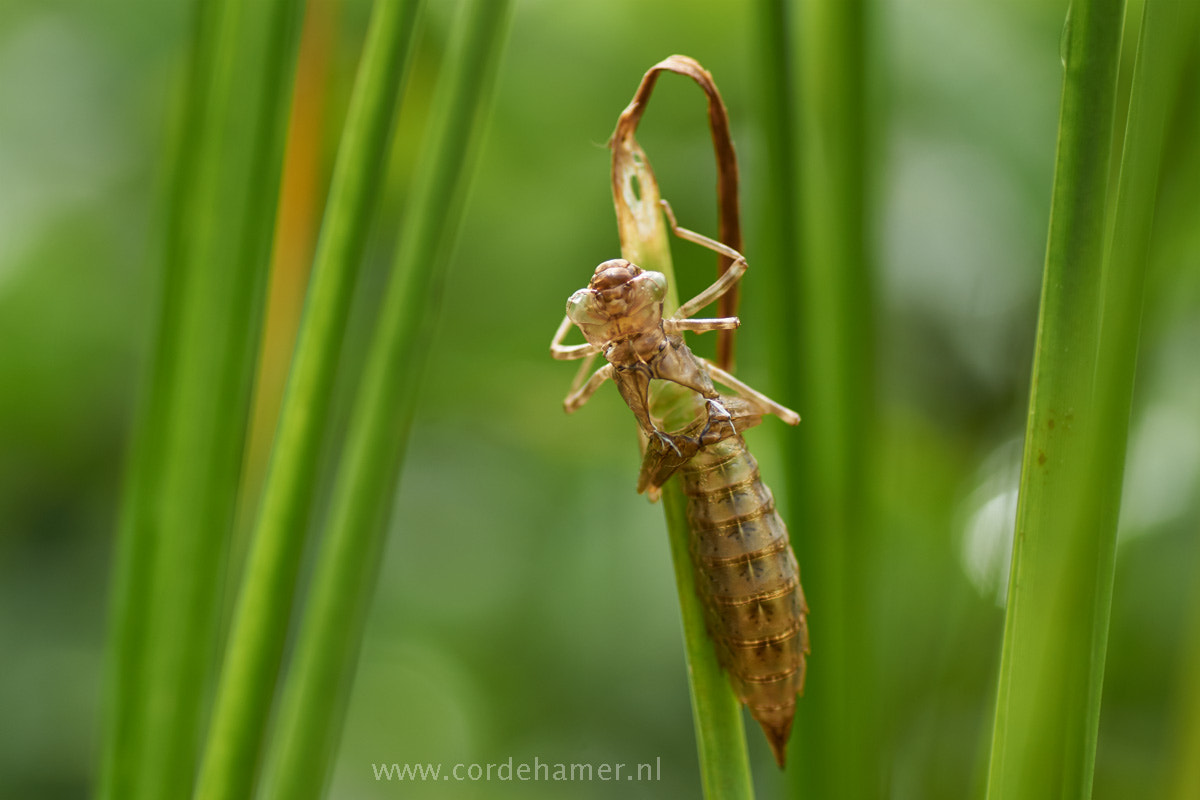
{"x": 748, "y": 580}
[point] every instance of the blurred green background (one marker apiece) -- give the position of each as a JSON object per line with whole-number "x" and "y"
{"x": 538, "y": 618}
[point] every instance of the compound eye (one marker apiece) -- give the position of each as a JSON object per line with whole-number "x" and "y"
{"x": 656, "y": 285}
{"x": 582, "y": 308}
{"x": 649, "y": 288}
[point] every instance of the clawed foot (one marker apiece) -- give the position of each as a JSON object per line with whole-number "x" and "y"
{"x": 717, "y": 414}
{"x": 665, "y": 453}
{"x": 668, "y": 440}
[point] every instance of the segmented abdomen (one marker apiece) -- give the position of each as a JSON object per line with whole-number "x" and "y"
{"x": 749, "y": 583}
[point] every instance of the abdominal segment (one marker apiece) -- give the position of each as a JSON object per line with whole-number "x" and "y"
{"x": 749, "y": 583}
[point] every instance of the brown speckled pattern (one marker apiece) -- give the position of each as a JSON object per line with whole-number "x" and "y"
{"x": 748, "y": 580}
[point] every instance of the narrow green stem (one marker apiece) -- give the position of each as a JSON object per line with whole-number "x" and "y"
{"x": 1047, "y": 705}
{"x": 833, "y": 359}
{"x": 314, "y": 697}
{"x": 716, "y": 712}
{"x": 264, "y": 604}
{"x": 220, "y": 224}
{"x": 1167, "y": 26}
{"x": 778, "y": 248}
{"x": 137, "y": 539}
{"x": 1184, "y": 776}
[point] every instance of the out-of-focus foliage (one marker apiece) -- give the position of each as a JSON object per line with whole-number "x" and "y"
{"x": 526, "y": 605}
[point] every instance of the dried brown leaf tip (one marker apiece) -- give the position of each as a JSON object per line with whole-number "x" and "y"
{"x": 631, "y": 169}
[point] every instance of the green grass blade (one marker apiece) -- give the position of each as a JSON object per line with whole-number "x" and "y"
{"x": 314, "y": 698}
{"x": 247, "y": 682}
{"x": 778, "y": 248}
{"x": 816, "y": 124}
{"x": 716, "y": 712}
{"x": 1167, "y": 27}
{"x": 137, "y": 540}
{"x": 1044, "y": 734}
{"x": 219, "y": 225}
{"x": 1184, "y": 774}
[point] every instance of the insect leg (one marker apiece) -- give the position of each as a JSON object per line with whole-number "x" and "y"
{"x": 581, "y": 395}
{"x": 723, "y": 283}
{"x": 678, "y": 364}
{"x": 563, "y": 352}
{"x": 752, "y": 396}
{"x": 634, "y": 385}
{"x": 700, "y": 325}
{"x": 699, "y": 238}
{"x": 582, "y": 374}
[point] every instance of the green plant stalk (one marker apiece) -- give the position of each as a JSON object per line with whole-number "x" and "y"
{"x": 219, "y": 224}
{"x": 137, "y": 539}
{"x": 1044, "y": 736}
{"x": 1183, "y": 780}
{"x": 1180, "y": 22}
{"x": 827, "y": 461}
{"x": 716, "y": 712}
{"x": 1167, "y": 27}
{"x": 779, "y": 251}
{"x": 264, "y": 606}
{"x": 315, "y": 693}
{"x": 1157, "y": 68}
